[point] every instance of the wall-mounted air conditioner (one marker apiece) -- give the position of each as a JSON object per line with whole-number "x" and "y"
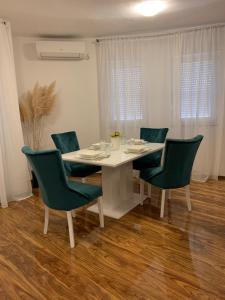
{"x": 61, "y": 50}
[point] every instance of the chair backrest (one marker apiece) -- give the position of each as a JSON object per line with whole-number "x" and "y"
{"x": 154, "y": 135}
{"x": 178, "y": 160}
{"x": 49, "y": 170}
{"x": 66, "y": 142}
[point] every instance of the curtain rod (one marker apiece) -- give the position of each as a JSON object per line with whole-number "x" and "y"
{"x": 157, "y": 34}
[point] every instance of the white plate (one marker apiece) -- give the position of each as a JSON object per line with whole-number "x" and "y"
{"x": 98, "y": 157}
{"x": 89, "y": 154}
{"x": 135, "y": 152}
{"x": 137, "y": 141}
{"x": 95, "y": 146}
{"x": 136, "y": 149}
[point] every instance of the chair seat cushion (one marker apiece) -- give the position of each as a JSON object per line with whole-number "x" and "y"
{"x": 91, "y": 192}
{"x": 83, "y": 170}
{"x": 148, "y": 174}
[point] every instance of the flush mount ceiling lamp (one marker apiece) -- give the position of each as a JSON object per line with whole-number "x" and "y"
{"x": 150, "y": 8}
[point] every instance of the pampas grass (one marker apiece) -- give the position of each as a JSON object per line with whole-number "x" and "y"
{"x": 35, "y": 106}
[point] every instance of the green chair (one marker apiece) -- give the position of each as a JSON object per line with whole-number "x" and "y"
{"x": 176, "y": 170}
{"x": 67, "y": 142}
{"x": 57, "y": 191}
{"x": 152, "y": 135}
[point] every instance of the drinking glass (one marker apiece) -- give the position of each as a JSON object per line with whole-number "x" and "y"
{"x": 102, "y": 145}
{"x": 108, "y": 148}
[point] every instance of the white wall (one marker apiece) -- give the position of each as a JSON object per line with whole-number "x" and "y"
{"x": 76, "y": 86}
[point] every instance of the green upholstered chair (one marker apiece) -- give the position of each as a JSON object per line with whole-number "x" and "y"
{"x": 176, "y": 170}
{"x": 57, "y": 191}
{"x": 152, "y": 135}
{"x": 67, "y": 142}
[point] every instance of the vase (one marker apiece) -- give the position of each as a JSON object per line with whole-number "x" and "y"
{"x": 115, "y": 141}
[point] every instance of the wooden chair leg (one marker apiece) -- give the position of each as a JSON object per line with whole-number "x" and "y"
{"x": 142, "y": 188}
{"x": 188, "y": 196}
{"x": 149, "y": 190}
{"x": 73, "y": 213}
{"x": 70, "y": 225}
{"x": 100, "y": 211}
{"x": 46, "y": 219}
{"x": 162, "y": 203}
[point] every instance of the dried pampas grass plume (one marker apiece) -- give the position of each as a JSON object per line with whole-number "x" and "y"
{"x": 43, "y": 100}
{"x": 35, "y": 106}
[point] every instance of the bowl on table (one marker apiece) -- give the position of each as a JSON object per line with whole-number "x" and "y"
{"x": 95, "y": 146}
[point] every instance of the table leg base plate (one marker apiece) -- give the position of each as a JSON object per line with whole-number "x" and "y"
{"x": 117, "y": 212}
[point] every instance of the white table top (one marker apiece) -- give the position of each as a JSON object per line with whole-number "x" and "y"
{"x": 117, "y": 157}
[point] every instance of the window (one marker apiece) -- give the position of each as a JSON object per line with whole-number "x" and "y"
{"x": 127, "y": 93}
{"x": 197, "y": 89}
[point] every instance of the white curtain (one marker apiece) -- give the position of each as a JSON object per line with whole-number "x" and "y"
{"x": 171, "y": 80}
{"x": 14, "y": 176}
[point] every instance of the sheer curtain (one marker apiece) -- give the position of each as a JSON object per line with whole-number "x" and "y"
{"x": 14, "y": 176}
{"x": 171, "y": 80}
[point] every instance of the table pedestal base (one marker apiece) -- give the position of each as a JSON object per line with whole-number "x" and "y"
{"x": 118, "y": 196}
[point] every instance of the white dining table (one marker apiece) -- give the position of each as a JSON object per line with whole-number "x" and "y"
{"x": 117, "y": 179}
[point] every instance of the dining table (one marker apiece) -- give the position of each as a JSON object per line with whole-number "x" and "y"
{"x": 117, "y": 178}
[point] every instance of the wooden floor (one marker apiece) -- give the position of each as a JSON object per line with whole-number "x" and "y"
{"x": 136, "y": 257}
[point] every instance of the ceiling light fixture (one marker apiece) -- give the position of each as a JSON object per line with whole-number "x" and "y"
{"x": 150, "y": 8}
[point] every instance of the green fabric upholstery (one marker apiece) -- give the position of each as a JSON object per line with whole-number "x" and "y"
{"x": 150, "y": 172}
{"x": 83, "y": 170}
{"x": 178, "y": 162}
{"x": 67, "y": 142}
{"x": 57, "y": 192}
{"x": 90, "y": 191}
{"x": 152, "y": 135}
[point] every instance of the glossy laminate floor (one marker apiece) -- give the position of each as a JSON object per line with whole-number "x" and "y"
{"x": 136, "y": 257}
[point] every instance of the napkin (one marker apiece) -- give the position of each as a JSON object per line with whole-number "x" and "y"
{"x": 137, "y": 141}
{"x": 136, "y": 149}
{"x": 89, "y": 154}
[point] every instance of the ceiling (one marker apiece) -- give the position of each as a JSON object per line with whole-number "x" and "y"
{"x": 91, "y": 18}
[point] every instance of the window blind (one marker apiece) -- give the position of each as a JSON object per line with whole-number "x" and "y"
{"x": 127, "y": 93}
{"x": 197, "y": 89}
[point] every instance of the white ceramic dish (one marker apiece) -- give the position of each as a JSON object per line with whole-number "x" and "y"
{"x": 89, "y": 154}
{"x": 95, "y": 146}
{"x": 137, "y": 141}
{"x": 136, "y": 149}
